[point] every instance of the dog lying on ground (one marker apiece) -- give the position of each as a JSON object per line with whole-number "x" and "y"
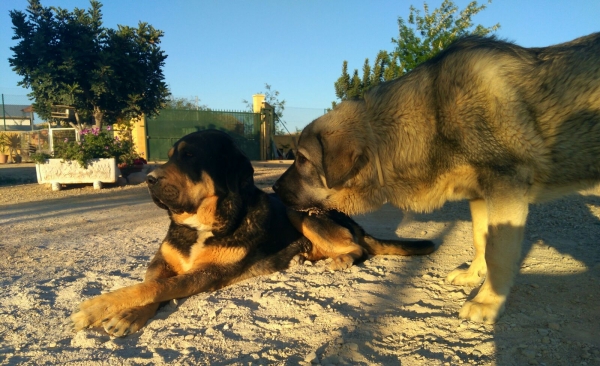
{"x": 485, "y": 120}
{"x": 223, "y": 230}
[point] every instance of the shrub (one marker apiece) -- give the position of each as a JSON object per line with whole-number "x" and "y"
{"x": 95, "y": 144}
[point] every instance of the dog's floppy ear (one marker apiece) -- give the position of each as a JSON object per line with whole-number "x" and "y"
{"x": 240, "y": 173}
{"x": 340, "y": 153}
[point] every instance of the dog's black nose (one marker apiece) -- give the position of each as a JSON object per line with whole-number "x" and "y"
{"x": 276, "y": 186}
{"x": 151, "y": 180}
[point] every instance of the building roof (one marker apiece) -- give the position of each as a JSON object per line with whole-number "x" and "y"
{"x": 16, "y": 111}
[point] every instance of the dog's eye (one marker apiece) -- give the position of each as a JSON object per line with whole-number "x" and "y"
{"x": 189, "y": 154}
{"x": 300, "y": 159}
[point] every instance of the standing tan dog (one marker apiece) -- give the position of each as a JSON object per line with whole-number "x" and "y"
{"x": 485, "y": 120}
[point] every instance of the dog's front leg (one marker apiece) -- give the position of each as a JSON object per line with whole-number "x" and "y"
{"x": 126, "y": 318}
{"x": 507, "y": 214}
{"x": 127, "y": 309}
{"x": 130, "y": 320}
{"x": 478, "y": 269}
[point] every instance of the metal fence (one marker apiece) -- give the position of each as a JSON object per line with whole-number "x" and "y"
{"x": 162, "y": 131}
{"x": 296, "y": 118}
{"x": 16, "y": 113}
{"x": 24, "y": 143}
{"x": 172, "y": 124}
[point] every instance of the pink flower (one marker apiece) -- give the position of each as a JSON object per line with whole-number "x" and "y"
{"x": 66, "y": 139}
{"x": 108, "y": 128}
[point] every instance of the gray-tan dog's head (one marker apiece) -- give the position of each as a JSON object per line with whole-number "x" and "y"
{"x": 333, "y": 161}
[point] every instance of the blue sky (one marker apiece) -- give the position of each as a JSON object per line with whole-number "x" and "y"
{"x": 225, "y": 51}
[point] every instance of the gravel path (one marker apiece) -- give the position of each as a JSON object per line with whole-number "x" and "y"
{"x": 59, "y": 248}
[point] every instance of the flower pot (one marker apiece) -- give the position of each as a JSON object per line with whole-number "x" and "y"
{"x": 3, "y": 158}
{"x": 126, "y": 170}
{"x": 58, "y": 172}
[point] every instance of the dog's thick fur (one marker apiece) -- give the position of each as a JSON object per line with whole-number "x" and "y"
{"x": 485, "y": 120}
{"x": 223, "y": 230}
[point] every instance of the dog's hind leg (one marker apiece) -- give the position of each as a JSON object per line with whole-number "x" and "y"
{"x": 478, "y": 269}
{"x": 328, "y": 239}
{"x": 507, "y": 214}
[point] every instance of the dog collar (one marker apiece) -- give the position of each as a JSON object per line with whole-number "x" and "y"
{"x": 379, "y": 170}
{"x": 377, "y": 162}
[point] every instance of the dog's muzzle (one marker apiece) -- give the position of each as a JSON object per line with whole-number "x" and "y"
{"x": 164, "y": 195}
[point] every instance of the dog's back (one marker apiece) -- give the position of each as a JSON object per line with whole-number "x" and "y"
{"x": 508, "y": 108}
{"x": 567, "y": 108}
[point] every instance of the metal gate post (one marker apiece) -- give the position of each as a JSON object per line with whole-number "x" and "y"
{"x": 267, "y": 117}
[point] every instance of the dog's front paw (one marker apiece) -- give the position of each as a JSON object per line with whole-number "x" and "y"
{"x": 484, "y": 308}
{"x": 129, "y": 320}
{"x": 468, "y": 277}
{"x": 464, "y": 277}
{"x": 94, "y": 311}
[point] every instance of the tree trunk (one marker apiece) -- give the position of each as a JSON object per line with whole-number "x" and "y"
{"x": 98, "y": 114}
{"x": 78, "y": 127}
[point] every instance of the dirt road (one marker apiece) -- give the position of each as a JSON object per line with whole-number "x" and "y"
{"x": 59, "y": 248}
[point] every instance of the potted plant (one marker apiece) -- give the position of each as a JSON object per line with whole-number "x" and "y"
{"x": 92, "y": 159}
{"x": 14, "y": 144}
{"x": 131, "y": 164}
{"x": 3, "y": 147}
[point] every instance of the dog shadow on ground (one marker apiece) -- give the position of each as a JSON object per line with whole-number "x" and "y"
{"x": 552, "y": 307}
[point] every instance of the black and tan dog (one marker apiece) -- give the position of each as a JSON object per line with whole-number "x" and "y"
{"x": 223, "y": 230}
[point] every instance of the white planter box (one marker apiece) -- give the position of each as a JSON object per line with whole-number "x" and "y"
{"x": 57, "y": 172}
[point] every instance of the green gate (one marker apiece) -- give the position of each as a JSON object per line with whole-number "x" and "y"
{"x": 170, "y": 125}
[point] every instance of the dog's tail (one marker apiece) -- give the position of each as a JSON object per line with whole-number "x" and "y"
{"x": 397, "y": 247}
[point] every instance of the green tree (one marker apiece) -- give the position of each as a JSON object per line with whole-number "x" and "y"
{"x": 185, "y": 104}
{"x": 342, "y": 84}
{"x": 419, "y": 38}
{"x": 68, "y": 58}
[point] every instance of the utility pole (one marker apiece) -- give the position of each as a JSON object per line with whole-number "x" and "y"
{"x": 3, "y": 112}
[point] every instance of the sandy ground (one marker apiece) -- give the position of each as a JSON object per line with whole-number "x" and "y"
{"x": 59, "y": 248}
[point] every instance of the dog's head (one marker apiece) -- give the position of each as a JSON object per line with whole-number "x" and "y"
{"x": 205, "y": 170}
{"x": 333, "y": 167}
